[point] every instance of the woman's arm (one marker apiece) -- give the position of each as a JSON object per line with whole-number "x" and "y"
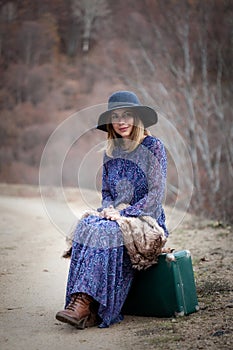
{"x": 107, "y": 199}
{"x": 151, "y": 203}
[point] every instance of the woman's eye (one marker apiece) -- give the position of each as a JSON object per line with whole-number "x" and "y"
{"x": 125, "y": 115}
{"x": 114, "y": 117}
{"x": 128, "y": 115}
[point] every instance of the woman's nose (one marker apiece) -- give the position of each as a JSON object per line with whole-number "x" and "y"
{"x": 121, "y": 120}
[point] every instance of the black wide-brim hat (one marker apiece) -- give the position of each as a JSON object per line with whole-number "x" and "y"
{"x": 127, "y": 99}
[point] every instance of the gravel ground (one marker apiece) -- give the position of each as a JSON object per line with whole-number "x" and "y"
{"x": 33, "y": 278}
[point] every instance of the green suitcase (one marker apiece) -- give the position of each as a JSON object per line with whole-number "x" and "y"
{"x": 165, "y": 289}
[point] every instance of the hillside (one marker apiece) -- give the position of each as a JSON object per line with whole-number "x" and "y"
{"x": 176, "y": 55}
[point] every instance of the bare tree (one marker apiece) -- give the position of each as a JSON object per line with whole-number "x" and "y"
{"x": 198, "y": 103}
{"x": 8, "y": 13}
{"x": 37, "y": 41}
{"x": 209, "y": 133}
{"x": 88, "y": 13}
{"x": 184, "y": 75}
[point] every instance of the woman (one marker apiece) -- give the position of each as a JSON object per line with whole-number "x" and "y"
{"x": 134, "y": 174}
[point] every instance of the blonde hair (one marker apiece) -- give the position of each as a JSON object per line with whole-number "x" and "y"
{"x": 137, "y": 135}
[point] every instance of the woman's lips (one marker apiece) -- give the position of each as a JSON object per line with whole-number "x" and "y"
{"x": 123, "y": 129}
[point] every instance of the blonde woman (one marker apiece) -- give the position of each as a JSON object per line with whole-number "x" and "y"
{"x": 134, "y": 175}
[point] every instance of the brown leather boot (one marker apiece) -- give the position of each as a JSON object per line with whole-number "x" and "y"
{"x": 81, "y": 311}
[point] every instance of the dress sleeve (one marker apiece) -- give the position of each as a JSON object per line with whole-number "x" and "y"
{"x": 151, "y": 203}
{"x": 106, "y": 194}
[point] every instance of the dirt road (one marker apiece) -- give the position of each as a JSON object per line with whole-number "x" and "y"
{"x": 33, "y": 278}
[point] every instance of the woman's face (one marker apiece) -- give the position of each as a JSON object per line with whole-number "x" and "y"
{"x": 122, "y": 121}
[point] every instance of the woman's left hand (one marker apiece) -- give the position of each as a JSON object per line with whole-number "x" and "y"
{"x": 111, "y": 213}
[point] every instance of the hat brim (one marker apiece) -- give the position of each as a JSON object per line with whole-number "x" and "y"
{"x": 147, "y": 115}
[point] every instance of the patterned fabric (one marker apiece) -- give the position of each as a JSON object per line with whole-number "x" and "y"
{"x": 100, "y": 265}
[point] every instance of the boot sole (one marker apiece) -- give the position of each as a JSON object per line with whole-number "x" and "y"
{"x": 80, "y": 324}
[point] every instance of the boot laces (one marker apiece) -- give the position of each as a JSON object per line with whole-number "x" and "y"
{"x": 76, "y": 299}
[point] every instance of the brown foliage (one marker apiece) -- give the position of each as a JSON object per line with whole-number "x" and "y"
{"x": 173, "y": 54}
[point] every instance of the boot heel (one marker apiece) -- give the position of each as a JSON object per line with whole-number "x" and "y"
{"x": 82, "y": 323}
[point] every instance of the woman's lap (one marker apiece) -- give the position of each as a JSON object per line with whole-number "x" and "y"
{"x": 100, "y": 266}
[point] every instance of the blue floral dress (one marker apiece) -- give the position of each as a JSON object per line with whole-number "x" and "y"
{"x": 100, "y": 265}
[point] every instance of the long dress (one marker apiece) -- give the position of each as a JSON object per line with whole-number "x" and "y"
{"x": 100, "y": 265}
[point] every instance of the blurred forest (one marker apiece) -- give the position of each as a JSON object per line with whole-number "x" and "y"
{"x": 60, "y": 56}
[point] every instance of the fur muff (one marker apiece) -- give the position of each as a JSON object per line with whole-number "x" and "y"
{"x": 144, "y": 240}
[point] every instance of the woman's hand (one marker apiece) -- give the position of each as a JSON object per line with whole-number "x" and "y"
{"x": 111, "y": 213}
